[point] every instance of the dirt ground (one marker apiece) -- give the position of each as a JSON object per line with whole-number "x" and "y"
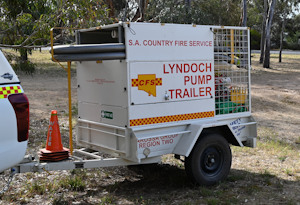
{"x": 268, "y": 174}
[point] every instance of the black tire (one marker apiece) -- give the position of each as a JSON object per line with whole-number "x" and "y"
{"x": 209, "y": 161}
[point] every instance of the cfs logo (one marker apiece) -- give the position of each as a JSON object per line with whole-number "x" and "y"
{"x": 147, "y": 83}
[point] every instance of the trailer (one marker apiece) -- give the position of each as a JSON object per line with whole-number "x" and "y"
{"x": 151, "y": 89}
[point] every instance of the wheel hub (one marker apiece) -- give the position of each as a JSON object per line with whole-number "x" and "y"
{"x": 211, "y": 160}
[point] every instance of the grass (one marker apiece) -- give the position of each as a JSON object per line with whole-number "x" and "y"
{"x": 276, "y": 56}
{"x": 74, "y": 183}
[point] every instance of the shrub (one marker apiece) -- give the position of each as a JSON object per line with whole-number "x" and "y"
{"x": 24, "y": 66}
{"x": 255, "y": 39}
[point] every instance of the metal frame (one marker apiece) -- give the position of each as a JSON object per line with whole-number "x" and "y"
{"x": 232, "y": 70}
{"x": 29, "y": 164}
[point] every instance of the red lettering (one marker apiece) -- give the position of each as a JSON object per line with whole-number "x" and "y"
{"x": 208, "y": 66}
{"x": 137, "y": 43}
{"x": 186, "y": 68}
{"x": 178, "y": 93}
{"x": 194, "y": 93}
{"x": 201, "y": 70}
{"x": 195, "y": 81}
{"x": 171, "y": 92}
{"x": 208, "y": 91}
{"x": 185, "y": 93}
{"x": 194, "y": 65}
{"x": 186, "y": 79}
{"x": 208, "y": 78}
{"x": 178, "y": 68}
{"x": 190, "y": 92}
{"x": 152, "y": 82}
{"x": 171, "y": 67}
{"x": 201, "y": 80}
{"x": 201, "y": 91}
{"x": 200, "y": 43}
{"x": 165, "y": 72}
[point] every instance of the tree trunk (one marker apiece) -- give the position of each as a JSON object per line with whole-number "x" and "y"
{"x": 281, "y": 40}
{"x": 111, "y": 8}
{"x": 266, "y": 63}
{"x": 263, "y": 32}
{"x": 23, "y": 54}
{"x": 140, "y": 12}
{"x": 244, "y": 22}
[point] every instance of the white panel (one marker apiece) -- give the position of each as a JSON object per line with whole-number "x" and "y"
{"x": 152, "y": 41}
{"x": 102, "y": 88}
{"x": 169, "y": 109}
{"x": 102, "y": 83}
{"x": 114, "y": 115}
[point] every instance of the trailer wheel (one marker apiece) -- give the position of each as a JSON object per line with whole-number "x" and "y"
{"x": 209, "y": 161}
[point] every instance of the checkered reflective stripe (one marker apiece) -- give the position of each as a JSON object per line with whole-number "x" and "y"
{"x": 8, "y": 90}
{"x": 134, "y": 82}
{"x": 172, "y": 118}
{"x": 158, "y": 81}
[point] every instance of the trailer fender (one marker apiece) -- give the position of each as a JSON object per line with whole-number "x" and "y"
{"x": 226, "y": 129}
{"x": 244, "y": 130}
{"x": 188, "y": 140}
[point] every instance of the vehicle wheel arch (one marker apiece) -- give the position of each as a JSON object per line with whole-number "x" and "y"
{"x": 221, "y": 130}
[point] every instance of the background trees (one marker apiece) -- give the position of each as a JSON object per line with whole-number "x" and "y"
{"x": 25, "y": 24}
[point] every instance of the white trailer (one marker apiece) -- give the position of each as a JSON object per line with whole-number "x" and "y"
{"x": 150, "y": 89}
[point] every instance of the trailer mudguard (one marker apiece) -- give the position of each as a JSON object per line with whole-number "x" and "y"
{"x": 237, "y": 131}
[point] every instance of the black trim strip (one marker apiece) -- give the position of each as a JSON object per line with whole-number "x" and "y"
{"x": 10, "y": 83}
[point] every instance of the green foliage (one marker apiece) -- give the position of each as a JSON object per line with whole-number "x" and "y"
{"x": 255, "y": 39}
{"x": 74, "y": 183}
{"x": 108, "y": 199}
{"x": 24, "y": 66}
{"x": 26, "y": 24}
{"x": 37, "y": 188}
{"x": 198, "y": 12}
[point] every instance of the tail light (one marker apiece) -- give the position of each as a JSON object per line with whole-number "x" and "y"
{"x": 21, "y": 106}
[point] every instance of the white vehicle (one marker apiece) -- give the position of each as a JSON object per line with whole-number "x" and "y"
{"x": 14, "y": 117}
{"x": 146, "y": 90}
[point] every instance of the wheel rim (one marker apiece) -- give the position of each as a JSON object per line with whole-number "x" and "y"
{"x": 211, "y": 161}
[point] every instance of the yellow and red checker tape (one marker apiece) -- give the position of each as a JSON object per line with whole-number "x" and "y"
{"x": 172, "y": 118}
{"x": 6, "y": 91}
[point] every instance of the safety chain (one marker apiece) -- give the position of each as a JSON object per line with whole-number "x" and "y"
{"x": 8, "y": 181}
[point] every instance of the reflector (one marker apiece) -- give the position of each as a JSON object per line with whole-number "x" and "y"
{"x": 20, "y": 104}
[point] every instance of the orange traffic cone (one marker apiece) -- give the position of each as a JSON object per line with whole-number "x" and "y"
{"x": 54, "y": 150}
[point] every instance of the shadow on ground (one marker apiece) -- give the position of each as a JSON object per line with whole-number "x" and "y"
{"x": 167, "y": 184}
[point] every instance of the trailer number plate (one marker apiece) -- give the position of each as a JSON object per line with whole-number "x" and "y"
{"x": 107, "y": 114}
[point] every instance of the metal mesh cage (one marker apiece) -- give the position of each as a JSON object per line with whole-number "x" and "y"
{"x": 231, "y": 59}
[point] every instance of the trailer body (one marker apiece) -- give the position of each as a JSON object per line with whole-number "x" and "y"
{"x": 176, "y": 82}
